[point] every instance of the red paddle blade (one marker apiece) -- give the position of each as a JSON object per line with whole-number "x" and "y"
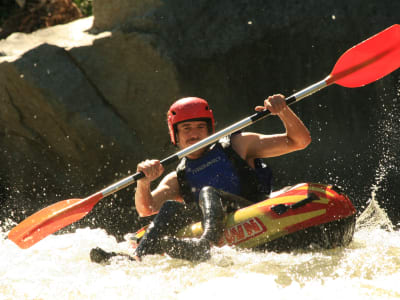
{"x": 50, "y": 219}
{"x": 368, "y": 61}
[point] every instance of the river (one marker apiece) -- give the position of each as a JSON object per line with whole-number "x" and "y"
{"x": 59, "y": 268}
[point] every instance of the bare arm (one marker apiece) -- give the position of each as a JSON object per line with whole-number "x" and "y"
{"x": 149, "y": 202}
{"x": 296, "y": 137}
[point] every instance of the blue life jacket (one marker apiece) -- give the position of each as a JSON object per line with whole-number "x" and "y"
{"x": 222, "y": 168}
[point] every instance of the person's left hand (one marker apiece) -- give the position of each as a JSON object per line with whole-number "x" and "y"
{"x": 275, "y": 104}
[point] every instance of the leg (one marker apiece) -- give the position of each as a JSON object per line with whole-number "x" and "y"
{"x": 210, "y": 201}
{"x": 196, "y": 249}
{"x": 172, "y": 216}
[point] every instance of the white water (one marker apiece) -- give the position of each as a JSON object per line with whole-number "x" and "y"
{"x": 59, "y": 267}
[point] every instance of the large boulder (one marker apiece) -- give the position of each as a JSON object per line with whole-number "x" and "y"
{"x": 81, "y": 107}
{"x": 76, "y": 110}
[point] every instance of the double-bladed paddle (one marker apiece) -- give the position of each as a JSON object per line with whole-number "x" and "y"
{"x": 364, "y": 63}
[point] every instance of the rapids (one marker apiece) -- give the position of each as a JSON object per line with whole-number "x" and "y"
{"x": 59, "y": 267}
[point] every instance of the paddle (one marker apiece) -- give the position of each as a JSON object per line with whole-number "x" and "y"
{"x": 360, "y": 65}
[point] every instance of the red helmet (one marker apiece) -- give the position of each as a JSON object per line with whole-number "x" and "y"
{"x": 185, "y": 109}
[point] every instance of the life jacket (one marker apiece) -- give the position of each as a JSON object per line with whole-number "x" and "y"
{"x": 222, "y": 168}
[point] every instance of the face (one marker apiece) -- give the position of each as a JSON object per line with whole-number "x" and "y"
{"x": 190, "y": 133}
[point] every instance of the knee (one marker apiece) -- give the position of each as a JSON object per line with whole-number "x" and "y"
{"x": 170, "y": 208}
{"x": 171, "y": 205}
{"x": 209, "y": 196}
{"x": 210, "y": 202}
{"x": 209, "y": 192}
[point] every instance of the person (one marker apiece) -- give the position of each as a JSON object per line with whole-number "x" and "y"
{"x": 211, "y": 181}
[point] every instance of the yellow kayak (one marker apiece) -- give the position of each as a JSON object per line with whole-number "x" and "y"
{"x": 299, "y": 216}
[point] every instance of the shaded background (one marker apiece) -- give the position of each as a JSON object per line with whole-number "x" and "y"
{"x": 76, "y": 118}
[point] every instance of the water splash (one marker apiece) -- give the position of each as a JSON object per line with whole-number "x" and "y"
{"x": 374, "y": 216}
{"x": 59, "y": 268}
{"x": 388, "y": 141}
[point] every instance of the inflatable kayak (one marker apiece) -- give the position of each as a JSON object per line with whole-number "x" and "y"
{"x": 296, "y": 217}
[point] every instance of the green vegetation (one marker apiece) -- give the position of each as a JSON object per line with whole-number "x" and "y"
{"x": 85, "y": 6}
{"x": 8, "y": 7}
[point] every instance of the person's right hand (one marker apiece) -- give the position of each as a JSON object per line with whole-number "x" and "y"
{"x": 151, "y": 168}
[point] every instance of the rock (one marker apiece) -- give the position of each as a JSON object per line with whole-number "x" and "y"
{"x": 135, "y": 79}
{"x": 74, "y": 34}
{"x": 115, "y": 14}
{"x": 64, "y": 105}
